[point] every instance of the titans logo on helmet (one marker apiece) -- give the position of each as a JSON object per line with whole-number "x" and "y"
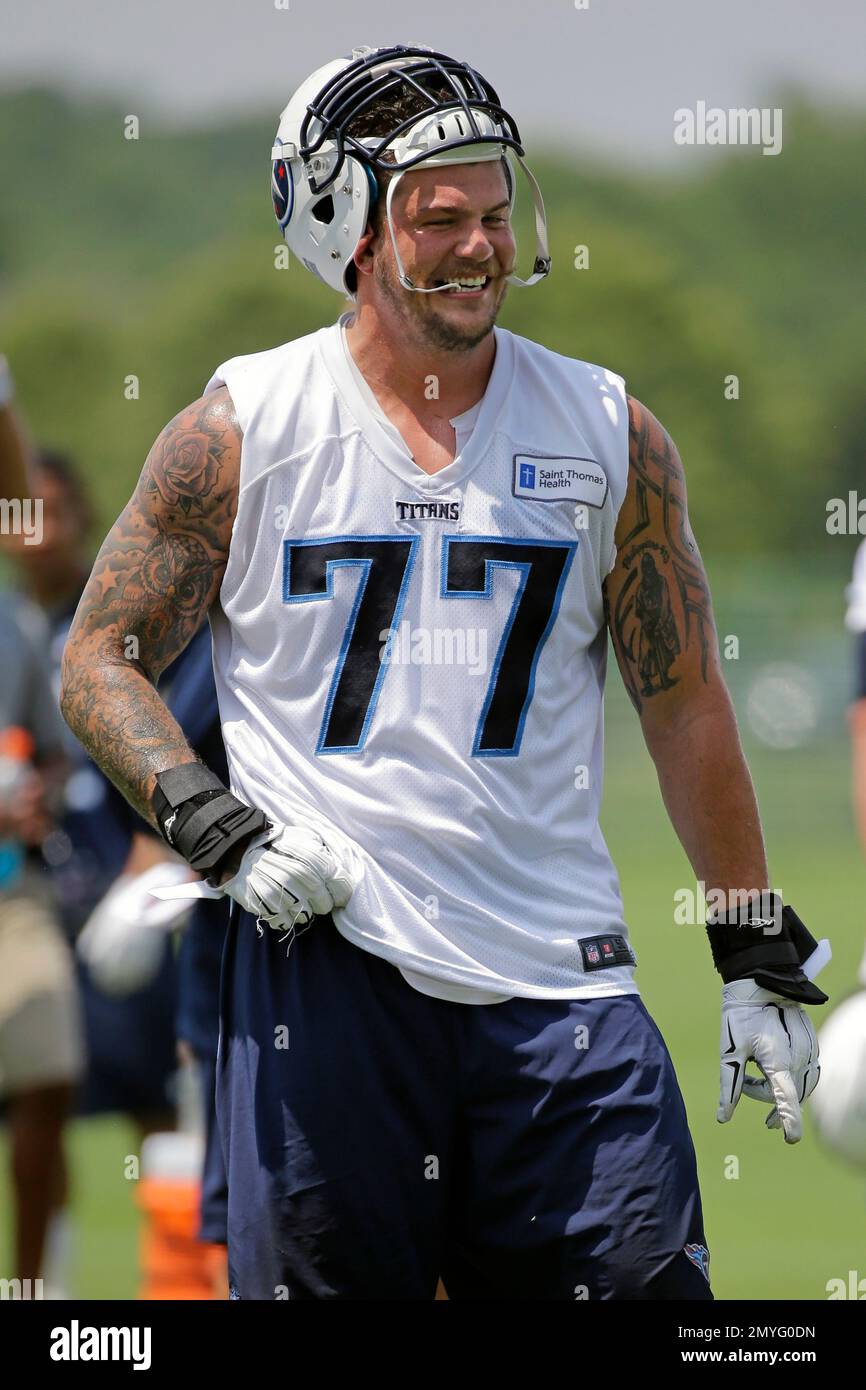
{"x": 281, "y": 191}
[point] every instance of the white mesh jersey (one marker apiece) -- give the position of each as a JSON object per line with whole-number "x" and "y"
{"x": 415, "y": 664}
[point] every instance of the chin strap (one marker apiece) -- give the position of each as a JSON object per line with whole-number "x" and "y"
{"x": 540, "y": 269}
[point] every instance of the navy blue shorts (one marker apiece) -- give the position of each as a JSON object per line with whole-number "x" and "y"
{"x": 376, "y": 1138}
{"x": 213, "y": 1203}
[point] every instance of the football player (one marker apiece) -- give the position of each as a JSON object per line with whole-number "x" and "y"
{"x": 412, "y": 531}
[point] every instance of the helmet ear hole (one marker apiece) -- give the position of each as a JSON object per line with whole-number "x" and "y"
{"x": 323, "y": 210}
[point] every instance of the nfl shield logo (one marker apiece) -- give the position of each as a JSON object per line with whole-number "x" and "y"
{"x": 592, "y": 954}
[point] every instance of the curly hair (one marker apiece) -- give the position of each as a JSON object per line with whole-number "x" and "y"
{"x": 384, "y": 115}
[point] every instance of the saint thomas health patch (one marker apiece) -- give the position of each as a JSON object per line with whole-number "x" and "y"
{"x": 543, "y": 479}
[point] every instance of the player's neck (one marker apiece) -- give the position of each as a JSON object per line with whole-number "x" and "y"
{"x": 420, "y": 377}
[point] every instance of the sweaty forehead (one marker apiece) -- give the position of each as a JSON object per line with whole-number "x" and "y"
{"x": 468, "y": 187}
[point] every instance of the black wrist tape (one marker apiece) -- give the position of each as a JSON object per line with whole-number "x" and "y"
{"x": 200, "y": 818}
{"x": 769, "y": 948}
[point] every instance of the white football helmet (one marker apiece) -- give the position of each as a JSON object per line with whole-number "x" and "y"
{"x": 323, "y": 180}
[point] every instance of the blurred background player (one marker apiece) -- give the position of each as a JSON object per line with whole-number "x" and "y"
{"x": 130, "y": 1041}
{"x": 129, "y": 977}
{"x": 41, "y": 1035}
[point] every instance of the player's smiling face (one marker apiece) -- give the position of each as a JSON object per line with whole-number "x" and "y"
{"x": 450, "y": 224}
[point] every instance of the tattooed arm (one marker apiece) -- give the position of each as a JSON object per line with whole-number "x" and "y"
{"x": 157, "y": 574}
{"x": 660, "y": 619}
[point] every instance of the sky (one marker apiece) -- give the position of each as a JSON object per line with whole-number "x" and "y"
{"x": 607, "y": 76}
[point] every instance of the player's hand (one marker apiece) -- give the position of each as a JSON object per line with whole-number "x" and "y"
{"x": 123, "y": 940}
{"x": 292, "y": 878}
{"x": 778, "y": 1035}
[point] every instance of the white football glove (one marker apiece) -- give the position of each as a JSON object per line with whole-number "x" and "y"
{"x": 123, "y": 940}
{"x": 289, "y": 879}
{"x": 777, "y": 1034}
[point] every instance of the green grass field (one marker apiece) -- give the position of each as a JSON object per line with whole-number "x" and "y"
{"x": 794, "y": 1217}
{"x": 103, "y": 1206}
